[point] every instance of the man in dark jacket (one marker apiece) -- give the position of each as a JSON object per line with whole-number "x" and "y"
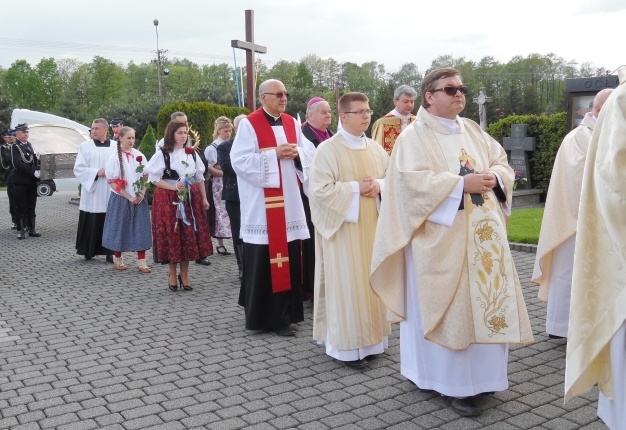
{"x": 230, "y": 194}
{"x": 25, "y": 177}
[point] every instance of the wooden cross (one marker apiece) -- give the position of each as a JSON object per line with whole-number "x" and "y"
{"x": 250, "y": 47}
{"x": 279, "y": 260}
{"x": 519, "y": 144}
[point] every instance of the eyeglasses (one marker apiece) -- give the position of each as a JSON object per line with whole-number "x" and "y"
{"x": 451, "y": 91}
{"x": 279, "y": 95}
{"x": 363, "y": 112}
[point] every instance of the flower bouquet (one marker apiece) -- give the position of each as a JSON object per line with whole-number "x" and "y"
{"x": 184, "y": 193}
{"x": 518, "y": 179}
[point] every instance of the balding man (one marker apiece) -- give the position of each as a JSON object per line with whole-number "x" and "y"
{"x": 387, "y": 129}
{"x": 555, "y": 253}
{"x": 271, "y": 158}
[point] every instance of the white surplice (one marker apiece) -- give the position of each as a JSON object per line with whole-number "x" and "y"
{"x": 257, "y": 170}
{"x": 559, "y": 294}
{"x": 94, "y": 194}
{"x": 613, "y": 411}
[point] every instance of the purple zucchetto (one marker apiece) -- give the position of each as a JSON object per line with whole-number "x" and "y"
{"x": 315, "y": 100}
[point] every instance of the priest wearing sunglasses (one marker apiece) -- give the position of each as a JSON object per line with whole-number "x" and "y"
{"x": 271, "y": 158}
{"x": 441, "y": 258}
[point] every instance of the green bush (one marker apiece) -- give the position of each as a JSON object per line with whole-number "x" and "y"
{"x": 147, "y": 148}
{"x": 201, "y": 117}
{"x": 548, "y": 132}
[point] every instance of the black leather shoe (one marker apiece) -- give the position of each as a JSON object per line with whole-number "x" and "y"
{"x": 183, "y": 286}
{"x": 203, "y": 261}
{"x": 286, "y": 331}
{"x": 87, "y": 258}
{"x": 465, "y": 407}
{"x": 356, "y": 364}
{"x": 109, "y": 258}
{"x": 173, "y": 287}
{"x": 554, "y": 336}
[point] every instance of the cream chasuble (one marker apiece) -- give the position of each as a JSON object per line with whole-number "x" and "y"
{"x": 347, "y": 314}
{"x": 561, "y": 209}
{"x": 467, "y": 284}
{"x": 598, "y": 306}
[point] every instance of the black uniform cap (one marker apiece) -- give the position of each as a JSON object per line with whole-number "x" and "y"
{"x": 116, "y": 121}
{"x": 21, "y": 127}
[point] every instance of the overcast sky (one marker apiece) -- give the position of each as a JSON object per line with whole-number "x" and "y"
{"x": 347, "y": 30}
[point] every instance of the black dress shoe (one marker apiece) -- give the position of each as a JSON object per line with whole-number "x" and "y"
{"x": 285, "y": 331}
{"x": 465, "y": 407}
{"x": 356, "y": 364}
{"x": 554, "y": 336}
{"x": 183, "y": 286}
{"x": 87, "y": 258}
{"x": 109, "y": 258}
{"x": 203, "y": 261}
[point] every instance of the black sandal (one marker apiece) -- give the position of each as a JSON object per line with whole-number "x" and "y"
{"x": 221, "y": 250}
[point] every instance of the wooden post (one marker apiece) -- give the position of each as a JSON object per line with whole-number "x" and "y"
{"x": 250, "y": 47}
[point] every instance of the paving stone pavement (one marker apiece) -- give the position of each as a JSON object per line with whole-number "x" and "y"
{"x": 83, "y": 346}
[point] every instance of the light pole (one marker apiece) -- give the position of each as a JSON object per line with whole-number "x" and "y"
{"x": 159, "y": 61}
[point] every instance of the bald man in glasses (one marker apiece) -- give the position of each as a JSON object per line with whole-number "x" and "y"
{"x": 441, "y": 258}
{"x": 271, "y": 158}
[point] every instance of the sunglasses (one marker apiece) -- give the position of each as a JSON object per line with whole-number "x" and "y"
{"x": 279, "y": 95}
{"x": 451, "y": 91}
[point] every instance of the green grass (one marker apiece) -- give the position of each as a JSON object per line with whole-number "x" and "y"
{"x": 524, "y": 225}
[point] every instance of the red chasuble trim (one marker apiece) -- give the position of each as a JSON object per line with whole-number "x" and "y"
{"x": 275, "y": 202}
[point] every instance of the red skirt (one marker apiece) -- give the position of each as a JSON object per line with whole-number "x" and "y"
{"x": 173, "y": 241}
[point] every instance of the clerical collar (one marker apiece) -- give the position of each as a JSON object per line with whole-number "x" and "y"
{"x": 452, "y": 125}
{"x": 104, "y": 144}
{"x": 274, "y": 120}
{"x": 355, "y": 142}
{"x": 397, "y": 114}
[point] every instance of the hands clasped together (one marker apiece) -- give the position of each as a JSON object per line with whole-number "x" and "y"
{"x": 479, "y": 183}
{"x": 369, "y": 187}
{"x": 287, "y": 151}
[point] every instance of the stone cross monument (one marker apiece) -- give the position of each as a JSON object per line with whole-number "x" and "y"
{"x": 482, "y": 99}
{"x": 519, "y": 144}
{"x": 250, "y": 47}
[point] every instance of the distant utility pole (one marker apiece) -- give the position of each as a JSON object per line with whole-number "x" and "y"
{"x": 159, "y": 61}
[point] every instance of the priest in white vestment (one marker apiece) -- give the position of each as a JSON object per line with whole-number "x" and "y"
{"x": 346, "y": 180}
{"x": 272, "y": 158}
{"x": 554, "y": 262}
{"x": 94, "y": 190}
{"x": 441, "y": 258}
{"x": 596, "y": 347}
{"x": 386, "y": 129}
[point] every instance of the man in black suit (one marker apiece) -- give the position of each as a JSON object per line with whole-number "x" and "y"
{"x": 230, "y": 194}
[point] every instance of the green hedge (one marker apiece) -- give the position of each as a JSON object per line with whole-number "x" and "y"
{"x": 548, "y": 132}
{"x": 201, "y": 117}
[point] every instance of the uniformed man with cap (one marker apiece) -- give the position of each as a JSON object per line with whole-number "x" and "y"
{"x": 25, "y": 177}
{"x": 5, "y": 161}
{"x": 116, "y": 124}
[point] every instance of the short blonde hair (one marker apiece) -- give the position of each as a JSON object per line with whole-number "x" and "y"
{"x": 220, "y": 123}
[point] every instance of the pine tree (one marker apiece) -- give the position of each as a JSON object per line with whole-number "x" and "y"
{"x": 148, "y": 143}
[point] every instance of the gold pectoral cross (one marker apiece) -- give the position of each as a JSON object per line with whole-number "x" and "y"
{"x": 279, "y": 260}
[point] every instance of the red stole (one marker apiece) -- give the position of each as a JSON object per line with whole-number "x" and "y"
{"x": 275, "y": 201}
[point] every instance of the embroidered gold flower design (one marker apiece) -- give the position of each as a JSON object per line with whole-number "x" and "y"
{"x": 487, "y": 261}
{"x": 498, "y": 323}
{"x": 485, "y": 232}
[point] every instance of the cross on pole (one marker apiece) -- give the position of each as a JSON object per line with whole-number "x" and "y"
{"x": 250, "y": 47}
{"x": 482, "y": 99}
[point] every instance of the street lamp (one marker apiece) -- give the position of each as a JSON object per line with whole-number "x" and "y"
{"x": 159, "y": 60}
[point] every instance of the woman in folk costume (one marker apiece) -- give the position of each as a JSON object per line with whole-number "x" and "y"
{"x": 127, "y": 225}
{"x": 179, "y": 206}
{"x": 219, "y": 223}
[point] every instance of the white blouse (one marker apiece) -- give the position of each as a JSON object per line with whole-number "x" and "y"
{"x": 130, "y": 163}
{"x": 210, "y": 152}
{"x": 156, "y": 165}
